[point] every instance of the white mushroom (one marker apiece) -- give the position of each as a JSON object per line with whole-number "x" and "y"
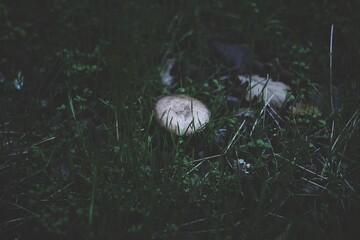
{"x": 272, "y": 92}
{"x": 166, "y": 78}
{"x": 181, "y": 114}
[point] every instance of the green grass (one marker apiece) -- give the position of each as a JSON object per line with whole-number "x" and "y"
{"x": 83, "y": 157}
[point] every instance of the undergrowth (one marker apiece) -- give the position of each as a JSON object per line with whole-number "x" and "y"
{"x": 83, "y": 157}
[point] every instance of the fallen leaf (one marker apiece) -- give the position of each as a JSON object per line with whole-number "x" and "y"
{"x": 302, "y": 109}
{"x": 237, "y": 56}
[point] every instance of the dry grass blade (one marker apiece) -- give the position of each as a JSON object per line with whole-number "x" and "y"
{"x": 208, "y": 158}
{"x": 20, "y": 207}
{"x": 348, "y": 131}
{"x": 235, "y": 137}
{"x": 261, "y": 115}
{"x": 314, "y": 183}
{"x": 302, "y": 168}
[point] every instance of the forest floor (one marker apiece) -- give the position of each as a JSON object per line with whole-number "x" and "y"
{"x": 84, "y": 157}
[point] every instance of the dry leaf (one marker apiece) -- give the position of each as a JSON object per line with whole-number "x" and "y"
{"x": 237, "y": 56}
{"x": 272, "y": 92}
{"x": 302, "y": 109}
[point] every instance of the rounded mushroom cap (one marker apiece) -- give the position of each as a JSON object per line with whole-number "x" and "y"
{"x": 181, "y": 114}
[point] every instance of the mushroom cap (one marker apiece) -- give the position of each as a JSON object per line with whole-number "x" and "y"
{"x": 181, "y": 114}
{"x": 273, "y": 92}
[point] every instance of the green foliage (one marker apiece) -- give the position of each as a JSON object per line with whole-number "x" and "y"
{"x": 77, "y": 62}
